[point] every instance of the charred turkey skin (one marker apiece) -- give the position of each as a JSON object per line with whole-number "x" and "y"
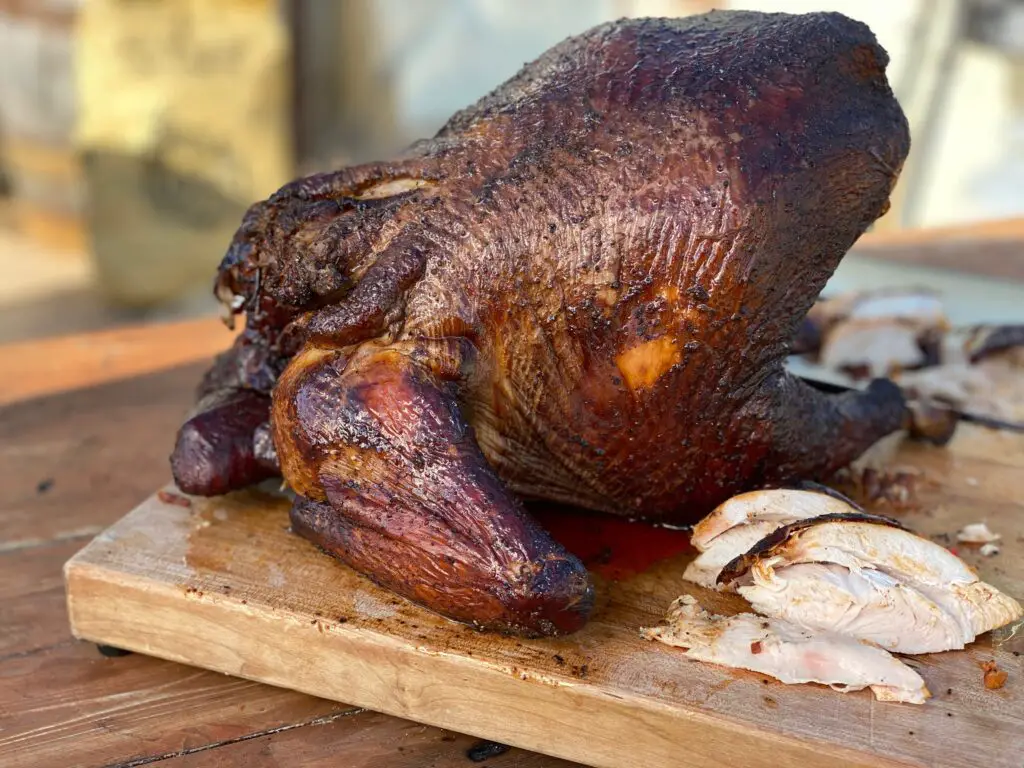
{"x": 582, "y": 289}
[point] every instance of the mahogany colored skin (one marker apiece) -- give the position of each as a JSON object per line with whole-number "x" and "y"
{"x": 402, "y": 489}
{"x": 225, "y": 442}
{"x": 583, "y": 290}
{"x": 763, "y": 549}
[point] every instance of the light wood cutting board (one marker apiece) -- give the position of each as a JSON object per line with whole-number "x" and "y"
{"x": 222, "y": 584}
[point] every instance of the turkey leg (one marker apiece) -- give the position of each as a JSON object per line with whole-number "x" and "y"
{"x": 813, "y": 434}
{"x": 392, "y": 482}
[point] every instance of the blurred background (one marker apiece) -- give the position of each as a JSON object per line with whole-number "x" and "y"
{"x": 134, "y": 133}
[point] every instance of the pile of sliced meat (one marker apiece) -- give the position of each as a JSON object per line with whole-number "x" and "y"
{"x": 840, "y": 587}
{"x": 905, "y": 334}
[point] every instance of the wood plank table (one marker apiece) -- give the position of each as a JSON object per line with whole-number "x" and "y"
{"x": 85, "y": 429}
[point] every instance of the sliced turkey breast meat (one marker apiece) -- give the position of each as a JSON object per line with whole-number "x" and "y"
{"x": 865, "y": 604}
{"x": 787, "y": 652}
{"x": 739, "y": 523}
{"x": 725, "y": 548}
{"x": 899, "y": 590}
{"x": 918, "y": 307}
{"x": 872, "y": 346}
{"x": 783, "y": 505}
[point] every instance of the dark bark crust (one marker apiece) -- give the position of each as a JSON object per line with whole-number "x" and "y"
{"x": 582, "y": 289}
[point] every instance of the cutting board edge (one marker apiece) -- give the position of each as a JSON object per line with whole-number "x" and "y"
{"x": 101, "y": 602}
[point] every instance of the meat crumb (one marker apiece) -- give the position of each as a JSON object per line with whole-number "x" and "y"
{"x": 994, "y": 677}
{"x": 755, "y": 647}
{"x": 896, "y": 487}
{"x": 977, "y": 533}
{"x": 175, "y": 499}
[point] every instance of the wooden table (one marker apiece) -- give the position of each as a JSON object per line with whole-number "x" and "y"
{"x": 85, "y": 429}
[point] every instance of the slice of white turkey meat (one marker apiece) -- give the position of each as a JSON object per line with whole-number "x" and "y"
{"x": 919, "y": 307}
{"x": 726, "y": 547}
{"x": 865, "y": 604}
{"x": 781, "y": 505}
{"x": 738, "y": 524}
{"x": 874, "y": 346}
{"x": 867, "y": 548}
{"x": 787, "y": 652}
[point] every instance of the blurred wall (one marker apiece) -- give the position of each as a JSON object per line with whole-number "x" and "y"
{"x": 429, "y": 58}
{"x": 184, "y": 119}
{"x": 966, "y": 162}
{"x": 38, "y": 165}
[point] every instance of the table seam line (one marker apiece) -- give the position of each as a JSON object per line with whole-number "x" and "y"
{"x": 322, "y": 720}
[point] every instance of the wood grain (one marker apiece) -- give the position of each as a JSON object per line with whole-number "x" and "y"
{"x": 55, "y": 365}
{"x": 32, "y": 601}
{"x": 975, "y": 231}
{"x": 223, "y": 585}
{"x": 115, "y": 710}
{"x": 362, "y": 740}
{"x": 71, "y": 464}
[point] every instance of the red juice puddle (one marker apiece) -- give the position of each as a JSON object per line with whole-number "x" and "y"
{"x": 613, "y": 547}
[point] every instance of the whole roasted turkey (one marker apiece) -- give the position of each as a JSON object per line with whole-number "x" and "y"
{"x": 582, "y": 289}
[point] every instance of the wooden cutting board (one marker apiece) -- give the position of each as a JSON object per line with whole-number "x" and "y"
{"x": 222, "y": 584}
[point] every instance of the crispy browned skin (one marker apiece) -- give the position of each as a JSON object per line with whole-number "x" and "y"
{"x": 763, "y": 549}
{"x": 582, "y": 289}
